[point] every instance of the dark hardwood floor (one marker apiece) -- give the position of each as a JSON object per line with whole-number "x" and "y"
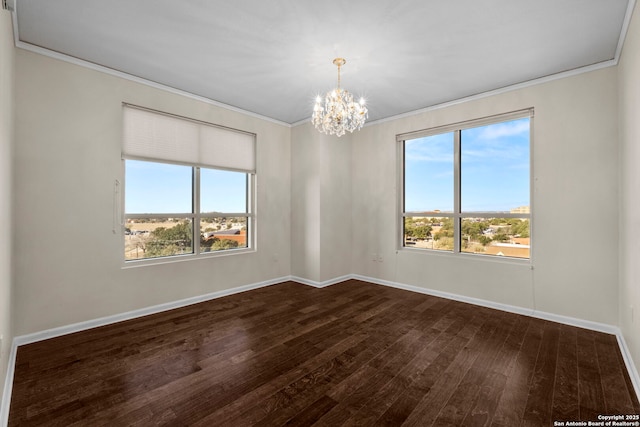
{"x": 350, "y": 354}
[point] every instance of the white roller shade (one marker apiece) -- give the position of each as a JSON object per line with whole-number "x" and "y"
{"x": 157, "y": 136}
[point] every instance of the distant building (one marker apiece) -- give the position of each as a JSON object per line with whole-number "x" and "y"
{"x": 521, "y": 210}
{"x": 508, "y": 250}
{"x": 239, "y": 236}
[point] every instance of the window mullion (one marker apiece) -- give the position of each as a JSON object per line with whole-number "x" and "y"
{"x": 196, "y": 210}
{"x": 249, "y": 209}
{"x": 456, "y": 191}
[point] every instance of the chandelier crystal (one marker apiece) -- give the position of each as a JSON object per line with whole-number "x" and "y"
{"x": 338, "y": 113}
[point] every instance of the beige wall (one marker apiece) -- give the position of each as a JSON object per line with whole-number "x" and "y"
{"x": 575, "y": 164}
{"x": 335, "y": 205}
{"x": 305, "y": 203}
{"x": 67, "y": 156}
{"x": 629, "y": 93}
{"x": 321, "y": 204}
{"x": 6, "y": 143}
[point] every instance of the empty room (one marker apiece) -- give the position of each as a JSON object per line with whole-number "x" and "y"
{"x": 414, "y": 213}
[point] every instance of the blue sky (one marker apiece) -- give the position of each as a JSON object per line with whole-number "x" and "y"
{"x": 494, "y": 169}
{"x": 164, "y": 188}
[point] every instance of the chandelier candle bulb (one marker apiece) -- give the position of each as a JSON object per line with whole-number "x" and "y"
{"x": 338, "y": 113}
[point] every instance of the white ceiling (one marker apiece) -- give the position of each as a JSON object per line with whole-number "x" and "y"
{"x": 273, "y": 57}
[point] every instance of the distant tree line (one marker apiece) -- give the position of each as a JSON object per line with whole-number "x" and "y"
{"x": 177, "y": 240}
{"x": 472, "y": 230}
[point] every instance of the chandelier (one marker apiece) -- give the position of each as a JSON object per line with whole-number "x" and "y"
{"x": 338, "y": 113}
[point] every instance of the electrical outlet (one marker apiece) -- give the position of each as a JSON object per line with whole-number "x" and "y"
{"x": 379, "y": 258}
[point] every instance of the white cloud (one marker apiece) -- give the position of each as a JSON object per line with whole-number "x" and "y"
{"x": 435, "y": 150}
{"x": 501, "y": 130}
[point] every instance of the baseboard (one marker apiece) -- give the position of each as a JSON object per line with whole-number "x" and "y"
{"x": 447, "y": 295}
{"x": 580, "y": 323}
{"x": 81, "y": 326}
{"x": 321, "y": 284}
{"x": 8, "y": 386}
{"x": 628, "y": 361}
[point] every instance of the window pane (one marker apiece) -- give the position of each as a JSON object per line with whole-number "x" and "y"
{"x": 223, "y": 233}
{"x": 428, "y": 175}
{"x": 494, "y": 170}
{"x": 157, "y": 188}
{"x": 223, "y": 191}
{"x": 507, "y": 237}
{"x": 429, "y": 233}
{"x": 157, "y": 237}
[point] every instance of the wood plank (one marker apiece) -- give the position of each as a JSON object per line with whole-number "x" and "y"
{"x": 312, "y": 413}
{"x": 566, "y": 402}
{"x": 448, "y": 379}
{"x": 401, "y": 378}
{"x": 590, "y": 390}
{"x": 617, "y": 396}
{"x": 491, "y": 390}
{"x": 487, "y": 343}
{"x": 540, "y": 400}
{"x": 433, "y": 359}
{"x": 512, "y": 404}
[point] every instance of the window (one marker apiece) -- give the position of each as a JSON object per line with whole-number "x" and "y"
{"x": 188, "y": 187}
{"x": 466, "y": 187}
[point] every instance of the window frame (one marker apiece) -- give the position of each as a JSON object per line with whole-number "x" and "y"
{"x": 195, "y": 216}
{"x": 457, "y": 215}
{"x": 212, "y": 147}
